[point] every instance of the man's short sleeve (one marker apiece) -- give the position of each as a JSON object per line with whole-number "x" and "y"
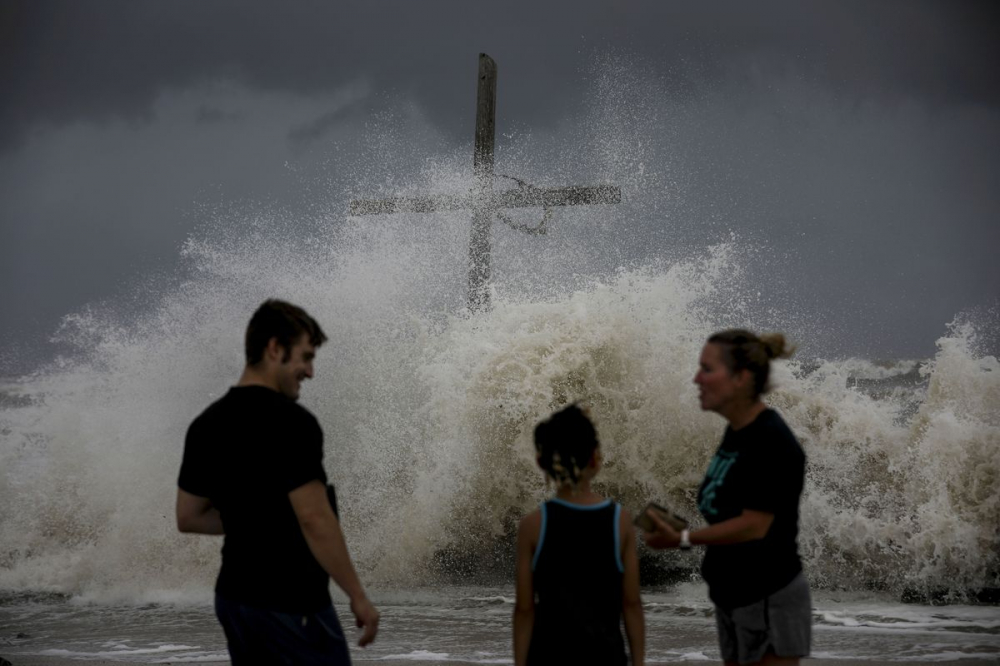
{"x": 301, "y": 458}
{"x": 196, "y": 469}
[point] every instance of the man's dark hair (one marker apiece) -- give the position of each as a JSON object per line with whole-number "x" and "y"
{"x": 281, "y": 320}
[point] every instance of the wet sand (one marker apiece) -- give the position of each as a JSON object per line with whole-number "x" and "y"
{"x": 472, "y": 625}
{"x": 57, "y": 661}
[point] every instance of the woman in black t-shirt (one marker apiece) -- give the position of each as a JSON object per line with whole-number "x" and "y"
{"x": 750, "y": 498}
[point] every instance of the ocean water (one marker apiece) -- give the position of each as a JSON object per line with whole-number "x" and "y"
{"x": 428, "y": 412}
{"x": 472, "y": 625}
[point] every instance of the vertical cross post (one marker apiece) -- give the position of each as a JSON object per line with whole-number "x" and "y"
{"x": 483, "y": 208}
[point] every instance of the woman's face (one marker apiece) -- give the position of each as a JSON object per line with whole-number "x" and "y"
{"x": 717, "y": 387}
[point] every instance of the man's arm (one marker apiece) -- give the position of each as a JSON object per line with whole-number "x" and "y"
{"x": 197, "y": 515}
{"x": 326, "y": 542}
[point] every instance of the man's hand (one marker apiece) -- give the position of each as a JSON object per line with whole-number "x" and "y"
{"x": 366, "y": 618}
{"x": 664, "y": 536}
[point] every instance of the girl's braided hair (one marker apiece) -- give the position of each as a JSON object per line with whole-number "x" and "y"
{"x": 565, "y": 444}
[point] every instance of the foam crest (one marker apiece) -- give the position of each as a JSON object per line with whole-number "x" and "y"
{"x": 428, "y": 410}
{"x": 429, "y": 424}
{"x": 624, "y": 348}
{"x": 903, "y": 503}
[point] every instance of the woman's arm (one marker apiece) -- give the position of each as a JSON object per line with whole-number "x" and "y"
{"x": 748, "y": 526}
{"x": 524, "y": 602}
{"x": 635, "y": 623}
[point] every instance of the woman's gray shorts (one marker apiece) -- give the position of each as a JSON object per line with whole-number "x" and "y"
{"x": 780, "y": 623}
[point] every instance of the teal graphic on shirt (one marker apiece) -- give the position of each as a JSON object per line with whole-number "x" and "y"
{"x": 716, "y": 475}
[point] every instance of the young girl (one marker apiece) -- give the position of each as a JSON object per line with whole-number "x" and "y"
{"x": 577, "y": 569}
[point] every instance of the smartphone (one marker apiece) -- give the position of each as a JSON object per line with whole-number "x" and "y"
{"x": 669, "y": 517}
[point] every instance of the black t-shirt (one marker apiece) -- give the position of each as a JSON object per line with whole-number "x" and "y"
{"x": 760, "y": 467}
{"x": 245, "y": 453}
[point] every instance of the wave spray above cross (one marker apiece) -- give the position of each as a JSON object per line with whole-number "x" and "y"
{"x": 484, "y": 200}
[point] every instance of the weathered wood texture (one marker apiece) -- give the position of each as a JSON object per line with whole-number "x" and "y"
{"x": 482, "y": 211}
{"x": 519, "y": 197}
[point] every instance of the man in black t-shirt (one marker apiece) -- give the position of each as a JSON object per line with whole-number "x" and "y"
{"x": 253, "y": 471}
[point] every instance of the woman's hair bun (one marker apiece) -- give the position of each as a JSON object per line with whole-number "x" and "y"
{"x": 743, "y": 350}
{"x": 775, "y": 345}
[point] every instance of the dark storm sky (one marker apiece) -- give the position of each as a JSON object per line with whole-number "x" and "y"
{"x": 112, "y": 130}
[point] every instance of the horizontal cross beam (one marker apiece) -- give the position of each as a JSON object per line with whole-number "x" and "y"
{"x": 518, "y": 197}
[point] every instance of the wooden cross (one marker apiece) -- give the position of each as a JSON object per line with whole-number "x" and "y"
{"x": 485, "y": 201}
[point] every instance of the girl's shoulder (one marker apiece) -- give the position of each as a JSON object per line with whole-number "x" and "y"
{"x": 530, "y": 529}
{"x": 532, "y": 520}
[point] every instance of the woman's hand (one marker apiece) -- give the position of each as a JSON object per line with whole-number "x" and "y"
{"x": 663, "y": 536}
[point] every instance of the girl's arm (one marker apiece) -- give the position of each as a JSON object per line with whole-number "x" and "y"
{"x": 748, "y": 526}
{"x": 635, "y": 623}
{"x": 524, "y": 603}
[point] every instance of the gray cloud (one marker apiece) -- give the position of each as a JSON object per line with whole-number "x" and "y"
{"x": 349, "y": 103}
{"x": 67, "y": 60}
{"x": 210, "y": 114}
{"x": 859, "y": 139}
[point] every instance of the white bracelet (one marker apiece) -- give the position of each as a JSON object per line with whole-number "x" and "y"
{"x": 685, "y": 543}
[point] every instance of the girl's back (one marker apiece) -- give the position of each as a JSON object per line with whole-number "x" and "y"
{"x": 577, "y": 571}
{"x": 577, "y": 574}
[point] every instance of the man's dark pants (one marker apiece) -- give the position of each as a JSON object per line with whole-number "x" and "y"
{"x": 260, "y": 636}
